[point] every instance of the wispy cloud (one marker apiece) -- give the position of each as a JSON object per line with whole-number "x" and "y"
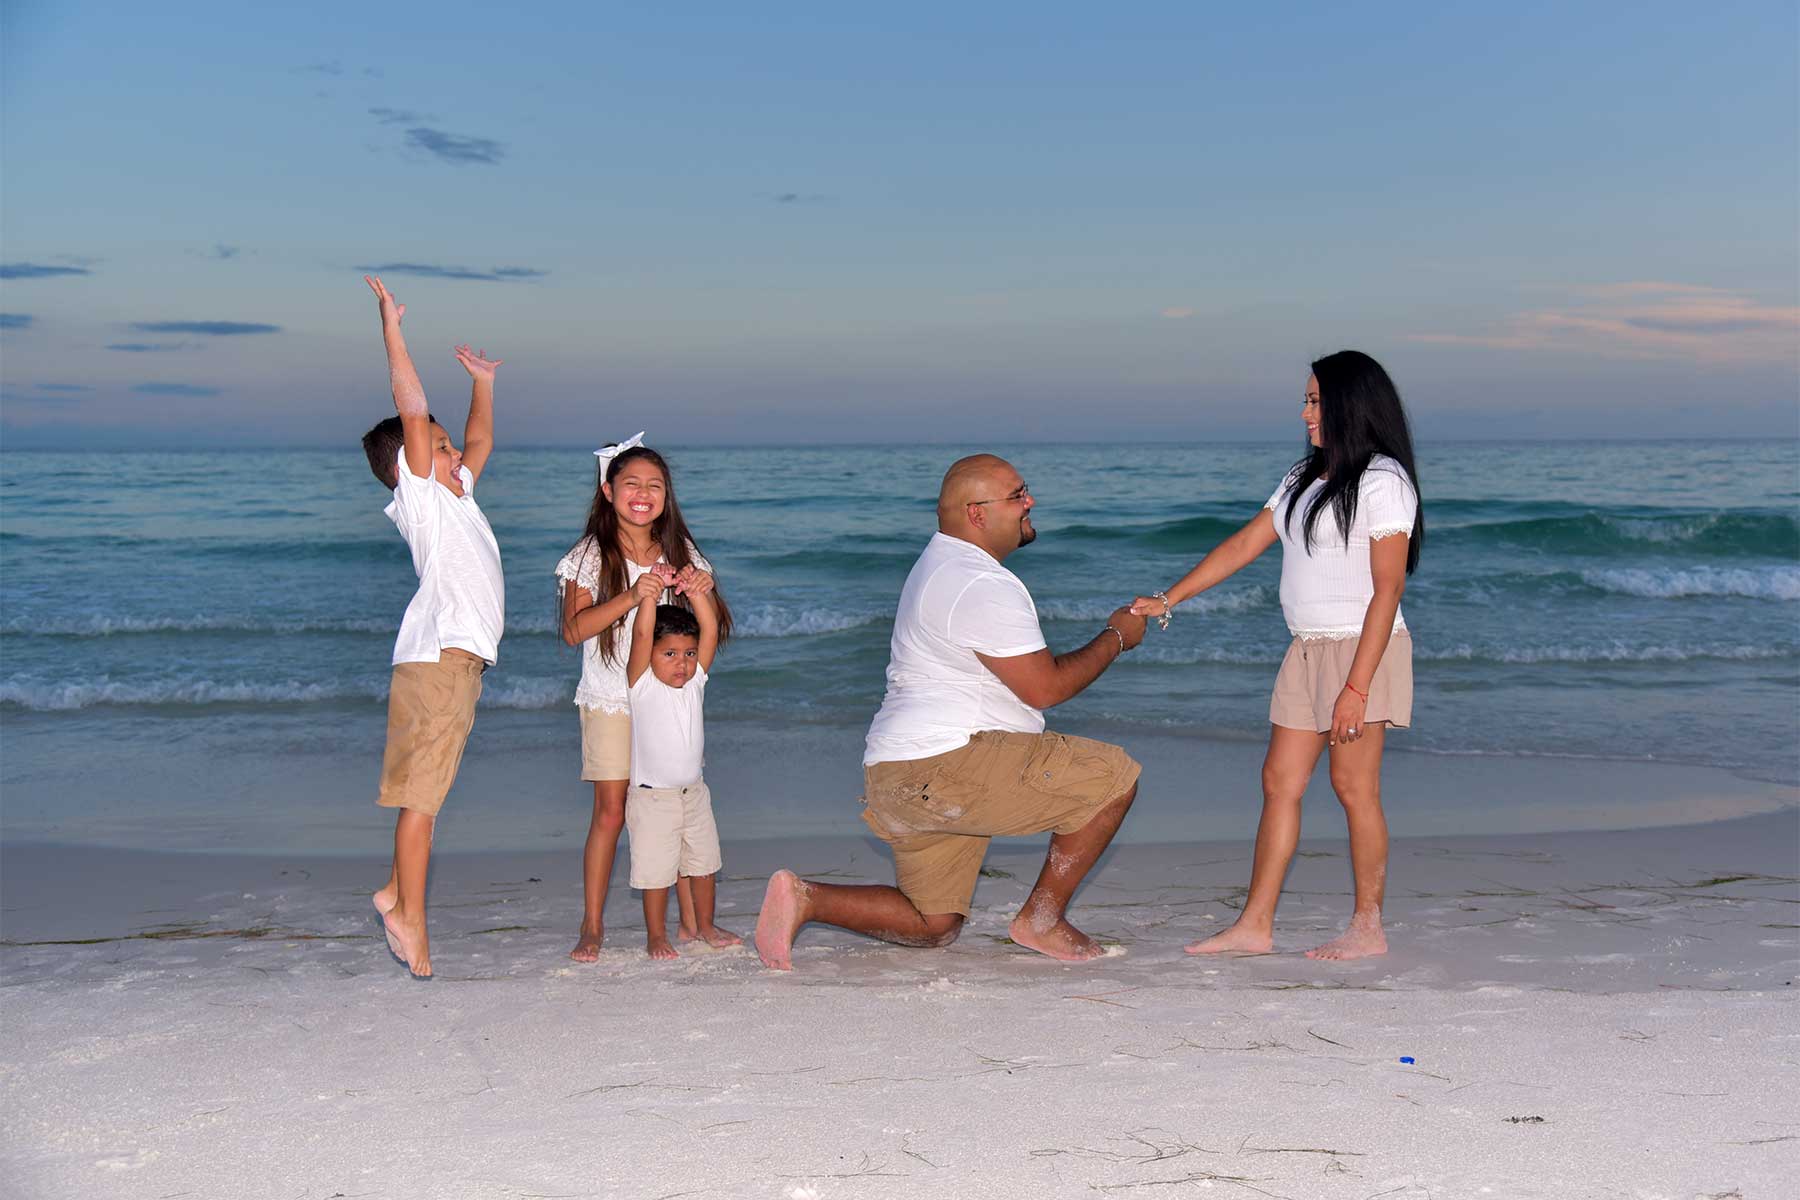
{"x": 1177, "y": 314}
{"x": 455, "y": 147}
{"x": 223, "y": 252}
{"x": 147, "y": 347}
{"x": 209, "y": 328}
{"x": 64, "y": 388}
{"x": 441, "y": 271}
{"x": 798, "y": 197}
{"x": 25, "y": 270}
{"x": 15, "y": 320}
{"x": 1646, "y": 319}
{"x": 330, "y": 67}
{"x": 175, "y": 389}
{"x": 399, "y": 116}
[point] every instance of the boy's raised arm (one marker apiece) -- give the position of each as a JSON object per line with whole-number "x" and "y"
{"x": 478, "y": 433}
{"x": 648, "y": 590}
{"x": 409, "y": 393}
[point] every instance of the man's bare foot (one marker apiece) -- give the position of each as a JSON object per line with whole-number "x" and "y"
{"x": 1237, "y": 938}
{"x": 1036, "y": 929}
{"x": 386, "y": 898}
{"x": 659, "y": 948}
{"x": 1363, "y": 939}
{"x": 409, "y": 945}
{"x": 587, "y": 944}
{"x": 717, "y": 938}
{"x": 783, "y": 913}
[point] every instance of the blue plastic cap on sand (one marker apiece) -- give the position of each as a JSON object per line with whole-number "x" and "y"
{"x": 1406, "y": 1058}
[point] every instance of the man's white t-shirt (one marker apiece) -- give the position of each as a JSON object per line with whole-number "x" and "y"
{"x": 957, "y": 601}
{"x": 668, "y": 731}
{"x": 461, "y": 601}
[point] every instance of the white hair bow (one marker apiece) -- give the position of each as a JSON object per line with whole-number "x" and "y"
{"x": 607, "y": 453}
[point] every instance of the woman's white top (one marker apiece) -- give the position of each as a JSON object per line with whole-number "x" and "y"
{"x": 461, "y": 601}
{"x": 603, "y": 683}
{"x": 1326, "y": 593}
{"x": 668, "y": 731}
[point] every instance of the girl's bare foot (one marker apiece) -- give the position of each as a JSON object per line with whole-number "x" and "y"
{"x": 587, "y": 944}
{"x": 686, "y": 933}
{"x": 718, "y": 938}
{"x": 386, "y": 898}
{"x": 659, "y": 948}
{"x": 1363, "y": 939}
{"x": 1238, "y": 938}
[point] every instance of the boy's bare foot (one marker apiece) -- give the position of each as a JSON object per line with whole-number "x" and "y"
{"x": 409, "y": 945}
{"x": 718, "y": 938}
{"x": 1054, "y": 937}
{"x": 783, "y": 913}
{"x": 1362, "y": 939}
{"x": 1237, "y": 938}
{"x": 587, "y": 944}
{"x": 659, "y": 948}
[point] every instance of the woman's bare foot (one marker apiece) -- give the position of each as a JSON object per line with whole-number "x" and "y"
{"x": 659, "y": 948}
{"x": 1363, "y": 939}
{"x": 783, "y": 913}
{"x": 587, "y": 944}
{"x": 1054, "y": 936}
{"x": 408, "y": 943}
{"x": 386, "y": 898}
{"x": 1238, "y": 939}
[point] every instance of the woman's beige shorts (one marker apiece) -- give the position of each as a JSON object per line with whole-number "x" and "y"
{"x": 1313, "y": 674}
{"x": 605, "y": 744}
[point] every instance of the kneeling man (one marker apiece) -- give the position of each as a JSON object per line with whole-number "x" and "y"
{"x": 958, "y": 753}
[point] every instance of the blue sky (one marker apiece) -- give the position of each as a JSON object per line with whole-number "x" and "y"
{"x": 817, "y": 224}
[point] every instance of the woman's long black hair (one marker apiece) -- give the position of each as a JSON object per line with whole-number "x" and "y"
{"x": 669, "y": 531}
{"x": 1360, "y": 416}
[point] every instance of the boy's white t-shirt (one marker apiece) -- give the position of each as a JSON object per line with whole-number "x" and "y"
{"x": 602, "y": 684}
{"x": 957, "y": 601}
{"x": 668, "y": 731}
{"x": 461, "y": 601}
{"x": 1326, "y": 593}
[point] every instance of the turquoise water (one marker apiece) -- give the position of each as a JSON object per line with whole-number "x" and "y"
{"x": 1628, "y": 600}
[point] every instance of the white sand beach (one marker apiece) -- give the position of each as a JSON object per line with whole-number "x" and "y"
{"x": 1593, "y": 1014}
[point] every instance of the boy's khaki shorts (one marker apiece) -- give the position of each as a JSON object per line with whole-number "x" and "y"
{"x": 431, "y": 708}
{"x": 605, "y": 744}
{"x": 672, "y": 834}
{"x": 1312, "y": 678}
{"x": 938, "y": 813}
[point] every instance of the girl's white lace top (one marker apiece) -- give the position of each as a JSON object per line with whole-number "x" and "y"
{"x": 1326, "y": 594}
{"x": 602, "y": 683}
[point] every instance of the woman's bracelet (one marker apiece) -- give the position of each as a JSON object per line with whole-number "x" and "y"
{"x": 1364, "y": 696}
{"x": 1162, "y": 622}
{"x": 1116, "y": 633}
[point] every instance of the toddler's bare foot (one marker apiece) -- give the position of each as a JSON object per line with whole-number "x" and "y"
{"x": 783, "y": 913}
{"x": 1054, "y": 936}
{"x": 408, "y": 943}
{"x": 1362, "y": 939}
{"x": 1237, "y": 938}
{"x": 587, "y": 944}
{"x": 718, "y": 938}
{"x": 657, "y": 946}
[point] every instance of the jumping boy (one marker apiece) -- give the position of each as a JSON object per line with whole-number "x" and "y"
{"x": 668, "y": 809}
{"x": 451, "y": 631}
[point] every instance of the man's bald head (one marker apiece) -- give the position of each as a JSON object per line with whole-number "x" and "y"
{"x": 968, "y": 480}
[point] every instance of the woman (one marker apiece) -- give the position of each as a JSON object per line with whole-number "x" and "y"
{"x": 1350, "y": 525}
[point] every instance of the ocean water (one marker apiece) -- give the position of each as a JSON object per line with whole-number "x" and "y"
{"x": 1594, "y": 600}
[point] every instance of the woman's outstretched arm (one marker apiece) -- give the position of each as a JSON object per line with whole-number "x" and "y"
{"x": 1221, "y": 563}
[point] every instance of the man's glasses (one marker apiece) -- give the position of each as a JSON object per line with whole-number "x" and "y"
{"x": 1014, "y": 498}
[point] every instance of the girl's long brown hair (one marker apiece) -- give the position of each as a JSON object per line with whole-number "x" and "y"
{"x": 669, "y": 531}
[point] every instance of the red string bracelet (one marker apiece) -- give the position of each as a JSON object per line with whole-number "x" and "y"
{"x": 1364, "y": 695}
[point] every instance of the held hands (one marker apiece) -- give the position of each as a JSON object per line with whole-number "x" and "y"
{"x": 691, "y": 581}
{"x": 391, "y": 309}
{"x": 650, "y": 585}
{"x": 1347, "y": 718}
{"x": 479, "y": 366}
{"x": 1129, "y": 624}
{"x": 1150, "y": 606}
